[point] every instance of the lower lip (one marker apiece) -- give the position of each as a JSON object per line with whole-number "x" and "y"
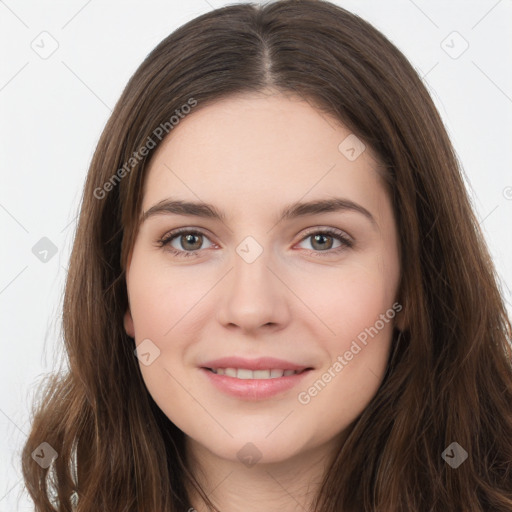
{"x": 254, "y": 389}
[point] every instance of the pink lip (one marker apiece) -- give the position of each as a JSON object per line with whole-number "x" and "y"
{"x": 252, "y": 389}
{"x": 262, "y": 363}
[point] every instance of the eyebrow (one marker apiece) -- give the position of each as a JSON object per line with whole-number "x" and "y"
{"x": 292, "y": 211}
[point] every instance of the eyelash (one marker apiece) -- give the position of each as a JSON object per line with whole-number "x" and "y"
{"x": 338, "y": 235}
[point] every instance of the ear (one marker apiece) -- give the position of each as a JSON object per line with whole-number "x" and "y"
{"x": 128, "y": 324}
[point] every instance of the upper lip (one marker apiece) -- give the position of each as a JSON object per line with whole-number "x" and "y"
{"x": 262, "y": 363}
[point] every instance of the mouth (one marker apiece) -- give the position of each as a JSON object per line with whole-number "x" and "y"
{"x": 253, "y": 379}
{"x": 261, "y": 374}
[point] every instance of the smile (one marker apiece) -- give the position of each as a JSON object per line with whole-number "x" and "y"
{"x": 244, "y": 373}
{"x": 253, "y": 385}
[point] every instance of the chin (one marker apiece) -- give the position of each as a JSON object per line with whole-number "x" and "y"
{"x": 252, "y": 446}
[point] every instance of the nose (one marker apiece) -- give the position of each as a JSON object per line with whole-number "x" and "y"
{"x": 253, "y": 296}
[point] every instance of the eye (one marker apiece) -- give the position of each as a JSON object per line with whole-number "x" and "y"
{"x": 189, "y": 242}
{"x": 320, "y": 240}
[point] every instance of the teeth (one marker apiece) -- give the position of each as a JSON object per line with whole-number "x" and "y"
{"x": 242, "y": 373}
{"x": 261, "y": 374}
{"x": 230, "y": 372}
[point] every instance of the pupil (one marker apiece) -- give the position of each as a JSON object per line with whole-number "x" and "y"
{"x": 190, "y": 238}
{"x": 319, "y": 237}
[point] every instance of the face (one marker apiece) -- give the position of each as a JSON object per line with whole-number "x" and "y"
{"x": 315, "y": 288}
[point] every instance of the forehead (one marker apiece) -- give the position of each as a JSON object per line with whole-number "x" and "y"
{"x": 260, "y": 148}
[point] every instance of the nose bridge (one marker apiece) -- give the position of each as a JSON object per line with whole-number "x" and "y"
{"x": 250, "y": 273}
{"x": 252, "y": 296}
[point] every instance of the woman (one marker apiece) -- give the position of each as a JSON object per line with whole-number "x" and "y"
{"x": 332, "y": 339}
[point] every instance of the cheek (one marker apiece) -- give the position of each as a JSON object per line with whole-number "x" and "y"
{"x": 355, "y": 331}
{"x": 162, "y": 297}
{"x": 350, "y": 300}
{"x": 162, "y": 304}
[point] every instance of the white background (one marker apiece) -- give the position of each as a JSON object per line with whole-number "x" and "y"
{"x": 53, "y": 111}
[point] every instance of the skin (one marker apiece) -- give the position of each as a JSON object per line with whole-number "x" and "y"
{"x": 251, "y": 155}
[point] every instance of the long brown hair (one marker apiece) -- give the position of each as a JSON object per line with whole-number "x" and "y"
{"x": 451, "y": 377}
